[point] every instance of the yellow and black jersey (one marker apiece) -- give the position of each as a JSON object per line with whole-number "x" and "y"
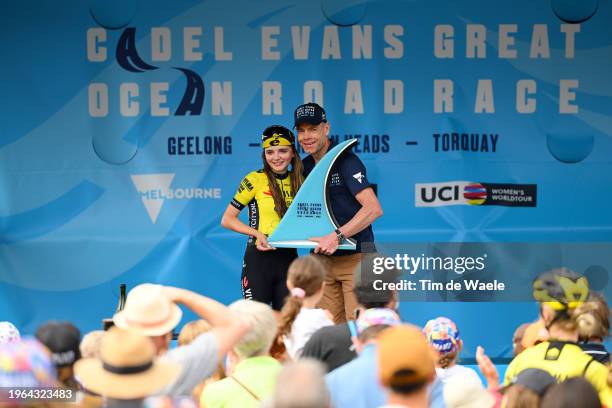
{"x": 562, "y": 360}
{"x": 254, "y": 192}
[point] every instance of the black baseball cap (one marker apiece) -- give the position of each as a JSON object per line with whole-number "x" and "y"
{"x": 309, "y": 113}
{"x": 537, "y": 380}
{"x": 63, "y": 340}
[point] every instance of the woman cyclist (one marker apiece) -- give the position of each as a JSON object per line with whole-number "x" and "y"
{"x": 560, "y": 293}
{"x": 267, "y": 193}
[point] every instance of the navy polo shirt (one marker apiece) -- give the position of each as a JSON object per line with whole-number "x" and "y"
{"x": 347, "y": 178}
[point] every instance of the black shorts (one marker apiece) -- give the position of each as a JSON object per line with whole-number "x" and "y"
{"x": 264, "y": 275}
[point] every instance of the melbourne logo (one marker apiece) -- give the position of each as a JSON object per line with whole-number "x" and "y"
{"x": 470, "y": 193}
{"x": 154, "y": 190}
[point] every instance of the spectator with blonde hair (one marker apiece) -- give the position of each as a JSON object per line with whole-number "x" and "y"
{"x": 90, "y": 344}
{"x": 593, "y": 319}
{"x": 252, "y": 373}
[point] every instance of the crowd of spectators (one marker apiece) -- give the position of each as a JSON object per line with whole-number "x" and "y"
{"x": 247, "y": 355}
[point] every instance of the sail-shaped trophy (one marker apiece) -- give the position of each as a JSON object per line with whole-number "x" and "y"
{"x": 309, "y": 215}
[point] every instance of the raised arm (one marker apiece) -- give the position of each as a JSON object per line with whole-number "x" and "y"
{"x": 227, "y": 327}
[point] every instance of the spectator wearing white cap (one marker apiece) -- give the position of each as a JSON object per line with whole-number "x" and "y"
{"x": 152, "y": 311}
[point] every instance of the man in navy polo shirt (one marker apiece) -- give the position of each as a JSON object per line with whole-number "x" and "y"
{"x": 353, "y": 203}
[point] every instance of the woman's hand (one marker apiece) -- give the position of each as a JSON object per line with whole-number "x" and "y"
{"x": 262, "y": 242}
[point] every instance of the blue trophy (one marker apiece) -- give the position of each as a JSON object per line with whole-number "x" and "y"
{"x": 309, "y": 214}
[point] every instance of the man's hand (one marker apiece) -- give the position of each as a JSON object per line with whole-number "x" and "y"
{"x": 327, "y": 244}
{"x": 262, "y": 243}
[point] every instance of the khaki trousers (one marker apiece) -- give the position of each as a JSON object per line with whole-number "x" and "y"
{"x": 338, "y": 295}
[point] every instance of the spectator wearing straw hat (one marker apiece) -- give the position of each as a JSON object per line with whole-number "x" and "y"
{"x": 127, "y": 370}
{"x": 152, "y": 310}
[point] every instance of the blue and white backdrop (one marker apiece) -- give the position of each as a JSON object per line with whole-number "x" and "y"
{"x": 125, "y": 127}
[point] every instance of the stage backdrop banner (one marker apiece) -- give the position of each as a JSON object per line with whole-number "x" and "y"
{"x": 126, "y": 127}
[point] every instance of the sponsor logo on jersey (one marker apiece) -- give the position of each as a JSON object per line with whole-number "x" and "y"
{"x": 359, "y": 177}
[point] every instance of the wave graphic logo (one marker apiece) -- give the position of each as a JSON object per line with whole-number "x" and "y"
{"x": 129, "y": 59}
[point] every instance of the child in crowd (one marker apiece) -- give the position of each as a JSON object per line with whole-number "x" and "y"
{"x": 443, "y": 336}
{"x": 299, "y": 316}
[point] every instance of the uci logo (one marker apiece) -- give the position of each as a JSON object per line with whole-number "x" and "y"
{"x": 440, "y": 194}
{"x": 446, "y": 193}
